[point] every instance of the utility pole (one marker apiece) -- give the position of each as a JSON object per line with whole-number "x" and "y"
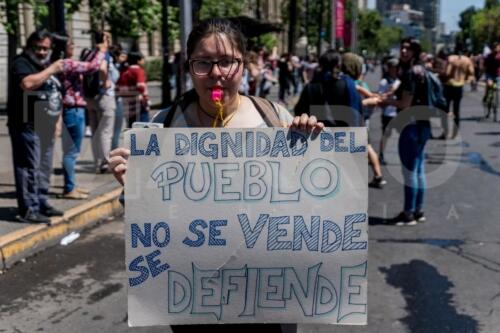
{"x": 186, "y": 27}
{"x": 166, "y": 99}
{"x": 293, "y": 23}
{"x": 58, "y": 14}
{"x": 320, "y": 27}
{"x": 334, "y": 24}
{"x": 354, "y": 27}
{"x": 307, "y": 27}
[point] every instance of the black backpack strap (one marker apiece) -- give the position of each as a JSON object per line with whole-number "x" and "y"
{"x": 267, "y": 111}
{"x": 183, "y": 102}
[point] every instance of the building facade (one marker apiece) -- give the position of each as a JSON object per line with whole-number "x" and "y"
{"x": 430, "y": 8}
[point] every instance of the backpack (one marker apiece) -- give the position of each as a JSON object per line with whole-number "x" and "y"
{"x": 92, "y": 82}
{"x": 266, "y": 109}
{"x": 435, "y": 95}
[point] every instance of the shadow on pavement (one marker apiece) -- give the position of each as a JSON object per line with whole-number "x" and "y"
{"x": 374, "y": 220}
{"x": 429, "y": 302}
{"x": 8, "y": 214}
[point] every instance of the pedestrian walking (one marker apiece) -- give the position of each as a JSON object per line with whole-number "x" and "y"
{"x": 120, "y": 61}
{"x": 387, "y": 88}
{"x": 459, "y": 70}
{"x": 216, "y": 52}
{"x": 413, "y": 91}
{"x": 352, "y": 65}
{"x": 34, "y": 107}
{"x": 74, "y": 110}
{"x": 101, "y": 104}
{"x": 133, "y": 89}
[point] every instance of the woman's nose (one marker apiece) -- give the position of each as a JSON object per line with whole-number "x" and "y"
{"x": 215, "y": 71}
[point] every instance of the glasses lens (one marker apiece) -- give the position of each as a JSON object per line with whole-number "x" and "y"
{"x": 202, "y": 67}
{"x": 228, "y": 66}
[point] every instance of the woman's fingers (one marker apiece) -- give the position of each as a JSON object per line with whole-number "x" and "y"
{"x": 118, "y": 163}
{"x": 307, "y": 123}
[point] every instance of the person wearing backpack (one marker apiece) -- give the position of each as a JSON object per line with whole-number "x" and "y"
{"x": 413, "y": 91}
{"x": 99, "y": 92}
{"x": 331, "y": 96}
{"x": 216, "y": 53}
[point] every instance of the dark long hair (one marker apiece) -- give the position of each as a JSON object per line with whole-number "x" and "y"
{"x": 217, "y": 26}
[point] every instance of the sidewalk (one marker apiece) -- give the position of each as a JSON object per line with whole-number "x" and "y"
{"x": 19, "y": 240}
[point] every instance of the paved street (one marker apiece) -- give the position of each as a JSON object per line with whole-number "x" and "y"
{"x": 440, "y": 276}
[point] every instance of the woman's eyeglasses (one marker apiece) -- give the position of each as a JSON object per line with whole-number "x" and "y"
{"x": 204, "y": 66}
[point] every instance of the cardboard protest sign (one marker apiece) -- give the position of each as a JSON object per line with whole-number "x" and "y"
{"x": 246, "y": 226}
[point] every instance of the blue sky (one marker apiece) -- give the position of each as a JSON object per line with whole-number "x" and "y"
{"x": 450, "y": 10}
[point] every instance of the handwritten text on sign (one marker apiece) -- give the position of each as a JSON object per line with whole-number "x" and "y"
{"x": 250, "y": 225}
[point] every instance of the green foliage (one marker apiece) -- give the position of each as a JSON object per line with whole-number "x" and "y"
{"x": 126, "y": 18}
{"x": 9, "y": 14}
{"x": 221, "y": 8}
{"x": 369, "y": 23}
{"x": 479, "y": 27}
{"x": 386, "y": 38}
{"x": 174, "y": 28}
{"x": 489, "y": 4}
{"x": 372, "y": 36}
{"x": 268, "y": 40}
{"x": 153, "y": 68}
{"x": 485, "y": 26}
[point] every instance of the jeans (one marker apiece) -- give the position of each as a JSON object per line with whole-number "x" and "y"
{"x": 72, "y": 136}
{"x": 118, "y": 123}
{"x": 32, "y": 152}
{"x": 102, "y": 122}
{"x": 411, "y": 152}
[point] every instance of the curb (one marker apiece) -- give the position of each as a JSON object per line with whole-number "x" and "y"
{"x": 27, "y": 241}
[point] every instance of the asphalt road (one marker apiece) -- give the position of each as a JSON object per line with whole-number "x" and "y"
{"x": 440, "y": 276}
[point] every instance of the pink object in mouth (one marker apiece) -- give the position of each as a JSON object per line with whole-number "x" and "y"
{"x": 216, "y": 94}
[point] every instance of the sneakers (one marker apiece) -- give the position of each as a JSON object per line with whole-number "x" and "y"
{"x": 377, "y": 182}
{"x": 74, "y": 195}
{"x": 83, "y": 190}
{"x": 419, "y": 217}
{"x": 50, "y": 211}
{"x": 32, "y": 217}
{"x": 404, "y": 219}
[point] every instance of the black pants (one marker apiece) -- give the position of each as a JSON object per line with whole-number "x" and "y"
{"x": 453, "y": 95}
{"x": 32, "y": 152}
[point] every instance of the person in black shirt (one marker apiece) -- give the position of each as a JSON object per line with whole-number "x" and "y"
{"x": 331, "y": 96}
{"x": 33, "y": 108}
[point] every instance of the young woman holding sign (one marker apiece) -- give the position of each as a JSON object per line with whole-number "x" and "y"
{"x": 216, "y": 52}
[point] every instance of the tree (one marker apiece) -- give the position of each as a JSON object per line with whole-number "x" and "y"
{"x": 485, "y": 26}
{"x": 221, "y": 8}
{"x": 126, "y": 18}
{"x": 386, "y": 38}
{"x": 465, "y": 25}
{"x": 369, "y": 23}
{"x": 489, "y": 4}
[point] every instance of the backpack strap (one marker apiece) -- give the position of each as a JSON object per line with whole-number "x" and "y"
{"x": 184, "y": 101}
{"x": 267, "y": 111}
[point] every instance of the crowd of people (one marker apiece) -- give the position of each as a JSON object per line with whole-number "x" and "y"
{"x": 49, "y": 92}
{"x": 107, "y": 88}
